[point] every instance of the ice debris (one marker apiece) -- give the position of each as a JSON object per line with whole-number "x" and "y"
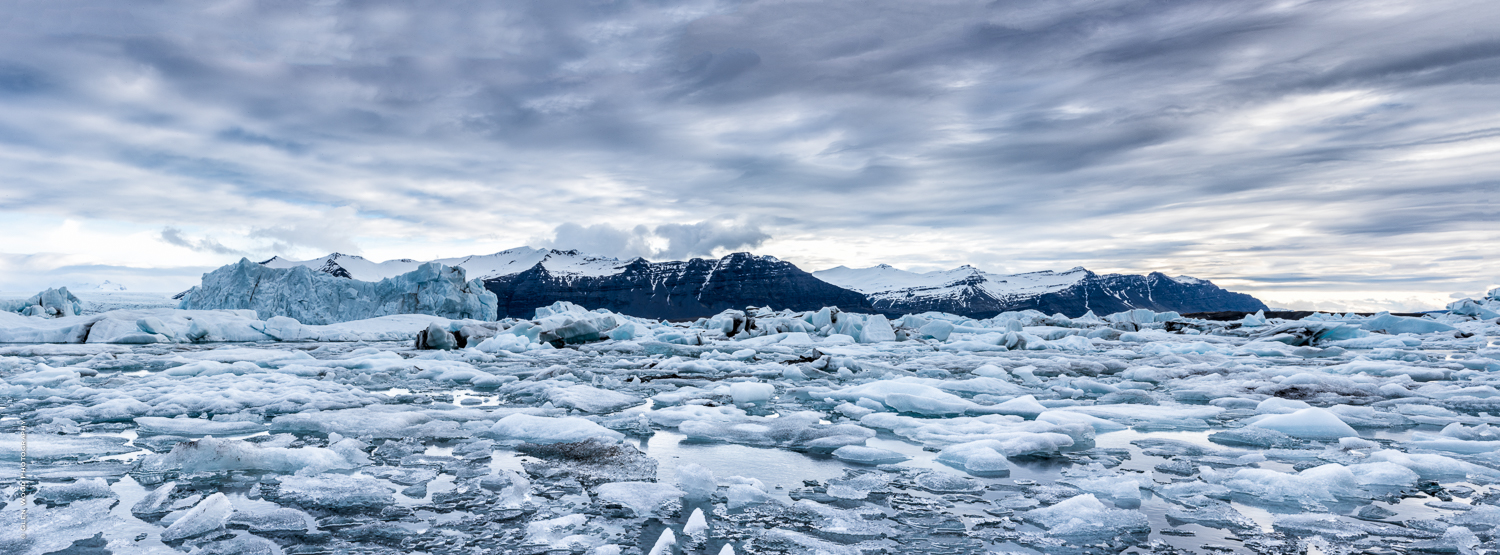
{"x": 775, "y": 431}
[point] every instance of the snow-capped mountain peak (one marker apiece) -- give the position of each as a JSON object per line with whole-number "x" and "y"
{"x": 506, "y": 262}
{"x": 970, "y": 291}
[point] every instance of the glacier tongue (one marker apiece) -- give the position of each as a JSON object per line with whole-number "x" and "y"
{"x": 317, "y": 298}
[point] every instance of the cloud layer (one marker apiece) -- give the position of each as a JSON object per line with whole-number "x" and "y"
{"x": 662, "y": 242}
{"x": 1292, "y": 149}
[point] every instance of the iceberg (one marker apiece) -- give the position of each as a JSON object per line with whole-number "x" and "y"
{"x": 316, "y": 298}
{"x": 52, "y": 303}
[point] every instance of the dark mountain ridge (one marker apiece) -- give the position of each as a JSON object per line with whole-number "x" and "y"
{"x": 676, "y": 290}
{"x": 524, "y": 279}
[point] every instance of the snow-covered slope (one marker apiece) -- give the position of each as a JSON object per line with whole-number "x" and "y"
{"x": 885, "y": 279}
{"x": 503, "y": 263}
{"x": 969, "y": 291}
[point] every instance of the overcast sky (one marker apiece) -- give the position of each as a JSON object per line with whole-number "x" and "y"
{"x": 1327, "y": 153}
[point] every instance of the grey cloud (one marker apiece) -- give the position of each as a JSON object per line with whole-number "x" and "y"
{"x": 21, "y": 79}
{"x": 602, "y": 239}
{"x": 34, "y": 272}
{"x": 332, "y": 231}
{"x": 1071, "y": 132}
{"x": 677, "y": 241}
{"x": 174, "y": 236}
{"x": 702, "y": 238}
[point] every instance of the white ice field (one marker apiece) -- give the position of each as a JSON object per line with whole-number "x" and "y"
{"x": 170, "y": 431}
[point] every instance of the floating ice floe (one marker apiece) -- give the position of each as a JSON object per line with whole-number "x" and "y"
{"x": 756, "y": 430}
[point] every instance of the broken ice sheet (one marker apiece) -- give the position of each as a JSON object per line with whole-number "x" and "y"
{"x": 1021, "y": 433}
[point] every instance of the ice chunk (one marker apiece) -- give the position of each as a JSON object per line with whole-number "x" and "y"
{"x": 334, "y": 492}
{"x": 280, "y": 520}
{"x": 746, "y": 393}
{"x": 947, "y": 405}
{"x": 1402, "y": 324}
{"x": 1470, "y": 307}
{"x": 1100, "y": 425}
{"x": 643, "y": 498}
{"x": 742, "y": 495}
{"x": 52, "y": 303}
{"x": 1434, "y": 467}
{"x": 1137, "y": 316}
{"x": 877, "y": 329}
{"x": 62, "y": 494}
{"x": 1315, "y": 485}
{"x": 980, "y": 458}
{"x": 868, "y": 455}
{"x": 351, "y": 422}
{"x": 194, "y": 427}
{"x": 1251, "y": 436}
{"x": 591, "y": 399}
{"x": 799, "y": 430}
{"x": 674, "y": 416}
{"x": 1124, "y": 491}
{"x": 664, "y": 543}
{"x": 155, "y": 504}
{"x": 1084, "y": 516}
{"x": 240, "y": 545}
{"x": 436, "y": 337}
{"x": 1025, "y": 406}
{"x": 1309, "y": 423}
{"x": 1277, "y": 405}
{"x": 696, "y": 525}
{"x": 222, "y": 455}
{"x": 696, "y": 482}
{"x": 1383, "y": 473}
{"x": 992, "y": 371}
{"x": 936, "y": 329}
{"x": 543, "y": 429}
{"x": 207, "y": 516}
{"x": 60, "y": 447}
{"x": 506, "y": 342}
{"x": 554, "y": 531}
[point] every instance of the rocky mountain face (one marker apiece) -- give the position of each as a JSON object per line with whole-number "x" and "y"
{"x": 675, "y": 290}
{"x": 970, "y": 292}
{"x": 1111, "y": 293}
{"x": 523, "y": 279}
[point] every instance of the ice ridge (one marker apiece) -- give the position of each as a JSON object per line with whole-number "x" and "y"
{"x": 318, "y": 298}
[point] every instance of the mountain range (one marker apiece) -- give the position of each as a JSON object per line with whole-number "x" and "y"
{"x": 526, "y": 278}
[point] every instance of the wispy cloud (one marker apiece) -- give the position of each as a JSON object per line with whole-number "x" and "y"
{"x": 174, "y": 236}
{"x": 1231, "y": 140}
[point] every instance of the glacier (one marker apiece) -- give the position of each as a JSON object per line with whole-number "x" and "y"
{"x": 754, "y": 430}
{"x": 316, "y": 298}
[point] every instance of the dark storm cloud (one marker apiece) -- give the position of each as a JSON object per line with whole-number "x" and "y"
{"x": 1119, "y": 135}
